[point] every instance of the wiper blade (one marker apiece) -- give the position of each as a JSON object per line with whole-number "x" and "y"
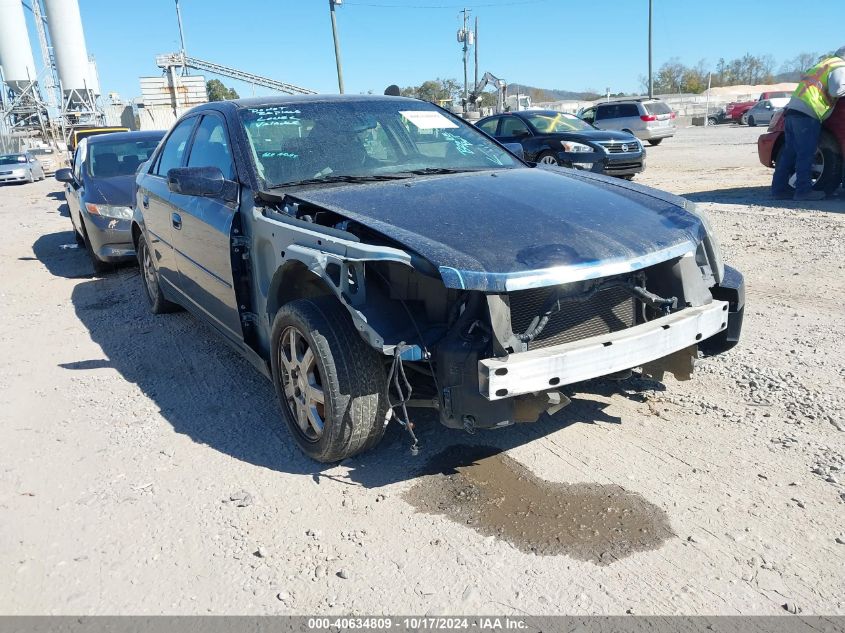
{"x": 437, "y": 170}
{"x": 340, "y": 178}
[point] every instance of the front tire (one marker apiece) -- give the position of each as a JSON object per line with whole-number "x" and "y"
{"x": 98, "y": 264}
{"x": 547, "y": 158}
{"x": 655, "y": 141}
{"x": 149, "y": 277}
{"x": 752, "y": 122}
{"x": 712, "y": 121}
{"x": 331, "y": 385}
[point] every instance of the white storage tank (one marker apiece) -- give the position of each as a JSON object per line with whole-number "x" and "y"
{"x": 15, "y": 51}
{"x": 68, "y": 40}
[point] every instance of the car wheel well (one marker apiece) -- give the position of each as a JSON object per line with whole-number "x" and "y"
{"x": 294, "y": 281}
{"x": 136, "y": 234}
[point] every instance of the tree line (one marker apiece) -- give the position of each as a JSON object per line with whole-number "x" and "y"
{"x": 675, "y": 77}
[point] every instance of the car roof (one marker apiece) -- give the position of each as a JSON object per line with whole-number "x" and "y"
{"x": 125, "y": 136}
{"x": 279, "y": 100}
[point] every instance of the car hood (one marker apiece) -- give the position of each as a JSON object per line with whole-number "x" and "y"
{"x": 520, "y": 228}
{"x": 116, "y": 190}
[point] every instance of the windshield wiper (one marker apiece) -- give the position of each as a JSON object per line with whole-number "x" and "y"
{"x": 340, "y": 178}
{"x": 437, "y": 170}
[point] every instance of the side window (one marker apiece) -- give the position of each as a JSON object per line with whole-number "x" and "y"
{"x": 606, "y": 112}
{"x": 174, "y": 148}
{"x": 628, "y": 110}
{"x": 589, "y": 115}
{"x": 514, "y": 126}
{"x": 210, "y": 147}
{"x": 490, "y": 126}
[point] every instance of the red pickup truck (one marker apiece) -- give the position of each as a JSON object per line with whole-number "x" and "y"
{"x": 736, "y": 110}
{"x": 828, "y": 164}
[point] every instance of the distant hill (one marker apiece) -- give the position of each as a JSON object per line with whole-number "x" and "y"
{"x": 551, "y": 94}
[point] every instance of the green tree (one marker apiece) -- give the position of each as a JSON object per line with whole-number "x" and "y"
{"x": 434, "y": 90}
{"x": 218, "y": 92}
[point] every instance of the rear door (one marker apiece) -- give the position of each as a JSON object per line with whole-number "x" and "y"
{"x": 627, "y": 117}
{"x": 154, "y": 199}
{"x": 202, "y": 230}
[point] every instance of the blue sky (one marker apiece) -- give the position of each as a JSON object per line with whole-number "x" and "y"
{"x": 566, "y": 44}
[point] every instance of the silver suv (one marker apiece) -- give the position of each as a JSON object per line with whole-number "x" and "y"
{"x": 649, "y": 120}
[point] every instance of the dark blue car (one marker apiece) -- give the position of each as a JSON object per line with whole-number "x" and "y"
{"x": 99, "y": 192}
{"x": 557, "y": 138}
{"x": 372, "y": 253}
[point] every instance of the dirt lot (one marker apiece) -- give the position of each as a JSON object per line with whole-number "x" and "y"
{"x": 126, "y": 436}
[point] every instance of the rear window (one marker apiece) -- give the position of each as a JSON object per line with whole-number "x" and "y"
{"x": 657, "y": 107}
{"x": 106, "y": 160}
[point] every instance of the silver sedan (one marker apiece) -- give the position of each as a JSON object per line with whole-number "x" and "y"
{"x": 23, "y": 167}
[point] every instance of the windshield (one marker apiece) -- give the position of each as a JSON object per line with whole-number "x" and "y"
{"x": 363, "y": 139}
{"x": 8, "y": 159}
{"x": 118, "y": 158}
{"x": 553, "y": 123}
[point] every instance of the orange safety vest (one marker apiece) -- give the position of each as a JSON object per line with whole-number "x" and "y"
{"x": 813, "y": 87}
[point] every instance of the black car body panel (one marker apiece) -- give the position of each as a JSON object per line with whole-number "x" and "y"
{"x": 571, "y": 223}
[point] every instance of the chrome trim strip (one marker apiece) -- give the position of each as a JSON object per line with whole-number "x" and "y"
{"x": 526, "y": 279}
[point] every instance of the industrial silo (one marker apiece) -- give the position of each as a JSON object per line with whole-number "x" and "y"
{"x": 65, "y": 26}
{"x": 15, "y": 52}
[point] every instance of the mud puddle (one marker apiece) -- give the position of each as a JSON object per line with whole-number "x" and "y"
{"x": 482, "y": 488}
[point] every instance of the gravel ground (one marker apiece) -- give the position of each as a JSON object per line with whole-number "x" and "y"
{"x": 142, "y": 469}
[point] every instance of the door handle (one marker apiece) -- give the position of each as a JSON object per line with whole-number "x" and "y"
{"x": 145, "y": 201}
{"x": 176, "y": 220}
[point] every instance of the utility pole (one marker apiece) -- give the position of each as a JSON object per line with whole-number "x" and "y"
{"x": 475, "y": 83}
{"x": 181, "y": 40}
{"x": 650, "y": 78}
{"x": 332, "y": 5}
{"x": 464, "y": 37}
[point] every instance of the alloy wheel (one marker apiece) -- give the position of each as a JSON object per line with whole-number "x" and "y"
{"x": 150, "y": 279}
{"x": 303, "y": 385}
{"x": 548, "y": 160}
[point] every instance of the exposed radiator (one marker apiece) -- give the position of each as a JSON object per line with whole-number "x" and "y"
{"x": 606, "y": 311}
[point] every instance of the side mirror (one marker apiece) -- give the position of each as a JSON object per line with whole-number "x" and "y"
{"x": 515, "y": 148}
{"x": 64, "y": 175}
{"x": 196, "y": 181}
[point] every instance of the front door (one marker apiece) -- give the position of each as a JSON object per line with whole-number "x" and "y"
{"x": 201, "y": 233}
{"x": 155, "y": 200}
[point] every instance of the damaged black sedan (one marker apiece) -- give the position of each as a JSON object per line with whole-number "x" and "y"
{"x": 374, "y": 254}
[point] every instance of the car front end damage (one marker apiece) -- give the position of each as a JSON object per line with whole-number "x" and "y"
{"x": 489, "y": 349}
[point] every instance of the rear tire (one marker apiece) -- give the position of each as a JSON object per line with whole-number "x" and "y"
{"x": 149, "y": 278}
{"x": 331, "y": 385}
{"x": 655, "y": 141}
{"x": 752, "y": 122}
{"x": 829, "y": 157}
